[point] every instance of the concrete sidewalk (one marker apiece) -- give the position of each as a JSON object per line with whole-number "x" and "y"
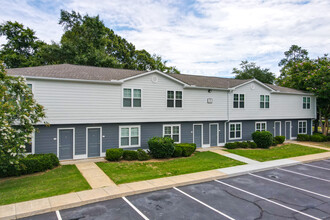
{"x": 33, "y": 207}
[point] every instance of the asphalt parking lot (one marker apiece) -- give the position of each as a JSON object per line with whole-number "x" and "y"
{"x": 295, "y": 192}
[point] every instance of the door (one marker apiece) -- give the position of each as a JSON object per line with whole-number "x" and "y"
{"x": 66, "y": 142}
{"x": 277, "y": 128}
{"x": 198, "y": 134}
{"x": 214, "y": 135}
{"x": 288, "y": 130}
{"x": 93, "y": 142}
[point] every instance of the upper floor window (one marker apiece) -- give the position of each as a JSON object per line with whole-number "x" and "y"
{"x": 30, "y": 86}
{"x": 130, "y": 136}
{"x": 261, "y": 126}
{"x": 264, "y": 101}
{"x": 306, "y": 102}
{"x": 132, "y": 97}
{"x": 302, "y": 127}
{"x": 238, "y": 100}
{"x": 235, "y": 131}
{"x": 174, "y": 99}
{"x": 172, "y": 131}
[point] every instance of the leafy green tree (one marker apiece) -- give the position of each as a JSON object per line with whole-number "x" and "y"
{"x": 21, "y": 47}
{"x": 252, "y": 71}
{"x": 18, "y": 113}
{"x": 312, "y": 75}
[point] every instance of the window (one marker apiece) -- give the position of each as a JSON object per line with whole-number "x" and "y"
{"x": 264, "y": 101}
{"x": 261, "y": 126}
{"x": 132, "y": 100}
{"x": 129, "y": 136}
{"x": 306, "y": 102}
{"x": 30, "y": 86}
{"x": 172, "y": 131}
{"x": 29, "y": 146}
{"x": 238, "y": 100}
{"x": 235, "y": 131}
{"x": 302, "y": 127}
{"x": 174, "y": 99}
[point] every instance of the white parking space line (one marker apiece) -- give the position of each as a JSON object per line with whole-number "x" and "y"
{"x": 284, "y": 184}
{"x": 136, "y": 209}
{"x": 59, "y": 217}
{"x": 314, "y": 177}
{"x": 310, "y": 165}
{"x": 260, "y": 197}
{"x": 210, "y": 207}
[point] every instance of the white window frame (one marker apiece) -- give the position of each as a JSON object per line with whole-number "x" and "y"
{"x": 260, "y": 122}
{"x": 307, "y": 97}
{"x": 239, "y": 100}
{"x": 174, "y": 99}
{"x": 172, "y": 125}
{"x": 33, "y": 85}
{"x": 132, "y": 98}
{"x": 303, "y": 121}
{"x": 235, "y": 123}
{"x": 129, "y": 136}
{"x": 264, "y": 101}
{"x": 87, "y": 128}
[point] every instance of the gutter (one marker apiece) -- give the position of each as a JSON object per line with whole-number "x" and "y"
{"x": 114, "y": 82}
{"x": 200, "y": 87}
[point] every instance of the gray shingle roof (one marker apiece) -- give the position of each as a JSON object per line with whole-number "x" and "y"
{"x": 69, "y": 71}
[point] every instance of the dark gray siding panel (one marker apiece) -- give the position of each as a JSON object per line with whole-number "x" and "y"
{"x": 222, "y": 132}
{"x": 206, "y": 133}
{"x": 45, "y": 140}
{"x": 187, "y": 132}
{"x": 80, "y": 131}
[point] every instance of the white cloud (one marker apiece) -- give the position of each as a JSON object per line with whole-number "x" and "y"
{"x": 203, "y": 37}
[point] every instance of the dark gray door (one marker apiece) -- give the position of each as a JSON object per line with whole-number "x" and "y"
{"x": 214, "y": 135}
{"x": 94, "y": 142}
{"x": 198, "y": 135}
{"x": 287, "y": 130}
{"x": 65, "y": 144}
{"x": 277, "y": 128}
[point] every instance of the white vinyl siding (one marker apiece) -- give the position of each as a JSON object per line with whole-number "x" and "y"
{"x": 306, "y": 102}
{"x": 129, "y": 136}
{"x": 302, "y": 127}
{"x": 235, "y": 131}
{"x": 264, "y": 101}
{"x": 238, "y": 101}
{"x": 131, "y": 97}
{"x": 172, "y": 131}
{"x": 174, "y": 99}
{"x": 261, "y": 126}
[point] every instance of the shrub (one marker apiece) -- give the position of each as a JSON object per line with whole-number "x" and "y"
{"x": 275, "y": 142}
{"x": 130, "y": 155}
{"x": 177, "y": 151}
{"x": 280, "y": 139}
{"x": 187, "y": 149}
{"x": 328, "y": 138}
{"x": 252, "y": 145}
{"x": 243, "y": 144}
{"x": 32, "y": 164}
{"x": 318, "y": 138}
{"x": 142, "y": 155}
{"x": 114, "y": 154}
{"x": 263, "y": 139}
{"x": 231, "y": 145}
{"x": 161, "y": 147}
{"x": 303, "y": 137}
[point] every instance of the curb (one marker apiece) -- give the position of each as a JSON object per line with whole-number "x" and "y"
{"x": 128, "y": 191}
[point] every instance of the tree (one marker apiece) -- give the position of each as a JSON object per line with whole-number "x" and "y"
{"x": 312, "y": 75}
{"x": 252, "y": 71}
{"x": 18, "y": 113}
{"x": 21, "y": 47}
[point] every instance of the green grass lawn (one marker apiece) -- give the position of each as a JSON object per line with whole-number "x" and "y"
{"x": 126, "y": 172}
{"x": 61, "y": 180}
{"x": 285, "y": 151}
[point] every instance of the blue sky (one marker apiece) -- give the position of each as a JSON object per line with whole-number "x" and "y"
{"x": 205, "y": 37}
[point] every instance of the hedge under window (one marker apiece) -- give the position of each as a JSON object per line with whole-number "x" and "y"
{"x": 132, "y": 100}
{"x": 238, "y": 101}
{"x": 306, "y": 102}
{"x": 264, "y": 101}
